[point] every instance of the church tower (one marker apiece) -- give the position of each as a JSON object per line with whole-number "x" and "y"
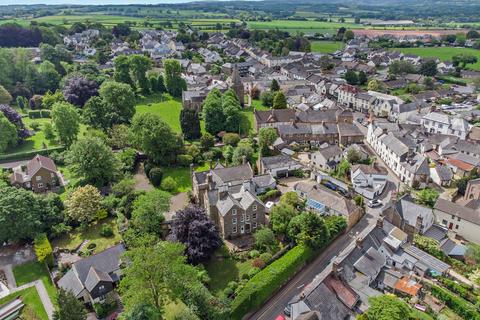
{"x": 237, "y": 85}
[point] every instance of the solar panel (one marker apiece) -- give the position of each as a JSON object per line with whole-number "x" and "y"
{"x": 316, "y": 205}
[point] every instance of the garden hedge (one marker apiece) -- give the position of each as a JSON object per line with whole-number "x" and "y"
{"x": 460, "y": 306}
{"x": 261, "y": 286}
{"x": 43, "y": 249}
{"x": 34, "y": 114}
{"x": 27, "y": 155}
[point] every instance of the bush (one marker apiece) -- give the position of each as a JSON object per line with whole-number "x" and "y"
{"x": 101, "y": 214}
{"x": 252, "y": 272}
{"x": 461, "y": 307}
{"x": 106, "y": 231}
{"x": 266, "y": 257}
{"x": 35, "y": 114}
{"x": 169, "y": 185}
{"x": 335, "y": 225}
{"x": 184, "y": 160}
{"x": 231, "y": 139}
{"x": 270, "y": 195}
{"x": 91, "y": 246}
{"x": 463, "y": 290}
{"x": 43, "y": 249}
{"x": 156, "y": 175}
{"x": 35, "y": 125}
{"x": 254, "y": 254}
{"x": 45, "y": 114}
{"x": 28, "y": 155}
{"x": 258, "y": 263}
{"x": 261, "y": 286}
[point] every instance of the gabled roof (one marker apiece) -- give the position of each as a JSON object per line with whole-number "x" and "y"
{"x": 462, "y": 212}
{"x": 39, "y": 162}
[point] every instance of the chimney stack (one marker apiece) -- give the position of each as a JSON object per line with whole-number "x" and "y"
{"x": 380, "y": 222}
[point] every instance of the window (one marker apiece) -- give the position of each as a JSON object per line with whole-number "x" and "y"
{"x": 52, "y": 174}
{"x": 101, "y": 288}
{"x": 234, "y": 229}
{"x": 39, "y": 178}
{"x": 453, "y": 217}
{"x": 248, "y": 217}
{"x": 456, "y": 227}
{"x": 234, "y": 220}
{"x": 458, "y": 219}
{"x": 40, "y": 185}
{"x": 254, "y": 207}
{"x": 254, "y": 225}
{"x": 254, "y": 216}
{"x": 242, "y": 219}
{"x": 234, "y": 212}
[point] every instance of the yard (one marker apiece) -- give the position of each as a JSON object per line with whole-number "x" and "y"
{"x": 32, "y": 301}
{"x": 32, "y": 271}
{"x": 223, "y": 269}
{"x": 443, "y": 53}
{"x": 326, "y": 46}
{"x": 164, "y": 106}
{"x": 74, "y": 239}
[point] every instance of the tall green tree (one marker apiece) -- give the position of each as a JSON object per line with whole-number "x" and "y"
{"x": 274, "y": 87}
{"x": 174, "y": 82}
{"x": 156, "y": 274}
{"x": 20, "y": 214}
{"x": 120, "y": 102}
{"x": 266, "y": 138}
{"x": 83, "y": 204}
{"x": 122, "y": 70}
{"x": 155, "y": 137}
{"x": 279, "y": 101}
{"x": 351, "y": 77}
{"x": 92, "y": 161}
{"x": 280, "y": 217}
{"x": 5, "y": 96}
{"x": 213, "y": 112}
{"x": 149, "y": 211}
{"x": 139, "y": 65}
{"x": 8, "y": 132}
{"x": 428, "y": 68}
{"x": 310, "y": 229}
{"x": 69, "y": 307}
{"x": 190, "y": 123}
{"x": 66, "y": 121}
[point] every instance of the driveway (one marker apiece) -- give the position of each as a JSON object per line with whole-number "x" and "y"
{"x": 16, "y": 254}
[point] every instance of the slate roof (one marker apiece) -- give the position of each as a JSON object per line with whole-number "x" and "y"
{"x": 323, "y": 300}
{"x": 428, "y": 260}
{"x": 465, "y": 213}
{"x": 349, "y": 130}
{"x": 279, "y": 161}
{"x": 237, "y": 173}
{"x": 330, "y": 152}
{"x": 409, "y": 210}
{"x": 275, "y": 115}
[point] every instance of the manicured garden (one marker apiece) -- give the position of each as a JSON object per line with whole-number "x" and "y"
{"x": 33, "y": 305}
{"x": 92, "y": 234}
{"x": 32, "y": 271}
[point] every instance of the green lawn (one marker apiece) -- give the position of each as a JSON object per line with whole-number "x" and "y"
{"x": 326, "y": 46}
{"x": 74, "y": 238}
{"x": 443, "y": 53}
{"x": 31, "y": 299}
{"x": 223, "y": 270}
{"x": 164, "y": 106}
{"x": 32, "y": 271}
{"x": 309, "y": 26}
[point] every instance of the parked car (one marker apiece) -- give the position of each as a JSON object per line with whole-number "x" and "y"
{"x": 344, "y": 193}
{"x": 330, "y": 185}
{"x": 280, "y": 317}
{"x": 374, "y": 203}
{"x": 288, "y": 310}
{"x": 269, "y": 204}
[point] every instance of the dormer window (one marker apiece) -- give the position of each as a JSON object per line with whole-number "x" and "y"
{"x": 38, "y": 178}
{"x": 254, "y": 207}
{"x": 234, "y": 212}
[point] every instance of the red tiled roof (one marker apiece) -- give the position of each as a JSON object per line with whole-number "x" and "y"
{"x": 343, "y": 292}
{"x": 461, "y": 165}
{"x": 408, "y": 286}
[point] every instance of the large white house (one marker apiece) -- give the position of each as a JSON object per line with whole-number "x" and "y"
{"x": 369, "y": 181}
{"x": 460, "y": 220}
{"x": 398, "y": 153}
{"x": 436, "y": 122}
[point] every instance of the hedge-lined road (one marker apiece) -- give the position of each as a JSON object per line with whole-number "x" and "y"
{"x": 277, "y": 303}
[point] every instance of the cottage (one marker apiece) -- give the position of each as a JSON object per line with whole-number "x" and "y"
{"x": 278, "y": 166}
{"x": 463, "y": 221}
{"x": 92, "y": 278}
{"x": 369, "y": 181}
{"x": 327, "y": 158}
{"x": 40, "y": 175}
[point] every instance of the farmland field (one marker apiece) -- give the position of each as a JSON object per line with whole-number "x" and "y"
{"x": 443, "y": 53}
{"x": 326, "y": 46}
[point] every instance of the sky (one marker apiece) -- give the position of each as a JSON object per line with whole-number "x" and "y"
{"x": 89, "y": 2}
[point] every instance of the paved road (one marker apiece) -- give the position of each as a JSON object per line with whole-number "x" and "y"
{"x": 277, "y": 303}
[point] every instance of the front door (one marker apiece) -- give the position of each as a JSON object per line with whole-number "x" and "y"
{"x": 450, "y": 226}
{"x": 242, "y": 230}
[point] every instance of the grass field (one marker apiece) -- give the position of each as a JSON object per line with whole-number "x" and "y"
{"x": 326, "y": 46}
{"x": 32, "y": 271}
{"x": 74, "y": 238}
{"x": 304, "y": 26}
{"x": 164, "y": 106}
{"x": 443, "y": 53}
{"x": 32, "y": 301}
